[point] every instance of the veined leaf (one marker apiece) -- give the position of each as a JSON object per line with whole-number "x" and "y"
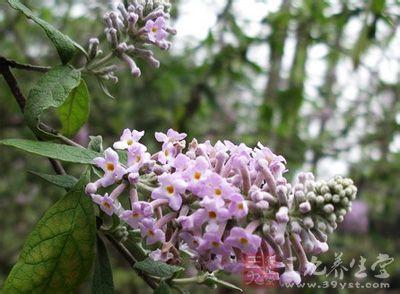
{"x": 157, "y": 268}
{"x": 58, "y": 254}
{"x": 64, "y": 45}
{"x": 54, "y": 150}
{"x": 63, "y": 181}
{"x": 52, "y": 90}
{"x": 75, "y": 110}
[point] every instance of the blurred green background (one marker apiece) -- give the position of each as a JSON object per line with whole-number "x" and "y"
{"x": 318, "y": 81}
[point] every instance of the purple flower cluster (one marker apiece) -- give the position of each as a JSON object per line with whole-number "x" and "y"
{"x": 220, "y": 203}
{"x": 131, "y": 30}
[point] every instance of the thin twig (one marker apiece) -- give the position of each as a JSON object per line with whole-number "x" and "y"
{"x": 23, "y": 66}
{"x": 128, "y": 256}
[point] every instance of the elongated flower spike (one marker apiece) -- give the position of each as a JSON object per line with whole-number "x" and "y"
{"x": 220, "y": 203}
{"x": 132, "y": 31}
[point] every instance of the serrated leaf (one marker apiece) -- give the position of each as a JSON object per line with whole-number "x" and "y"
{"x": 64, "y": 45}
{"x": 75, "y": 111}
{"x": 96, "y": 143}
{"x": 63, "y": 181}
{"x": 102, "y": 276}
{"x": 163, "y": 288}
{"x": 157, "y": 268}
{"x": 52, "y": 89}
{"x": 54, "y": 150}
{"x": 58, "y": 254}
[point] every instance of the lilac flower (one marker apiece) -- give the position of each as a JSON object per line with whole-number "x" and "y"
{"x": 247, "y": 243}
{"x": 171, "y": 188}
{"x": 171, "y": 137}
{"x": 216, "y": 186}
{"x": 167, "y": 155}
{"x": 111, "y": 166}
{"x": 140, "y": 210}
{"x": 151, "y": 232}
{"x": 237, "y": 206}
{"x": 156, "y": 29}
{"x": 128, "y": 139}
{"x": 158, "y": 255}
{"x": 106, "y": 203}
{"x": 137, "y": 157}
{"x": 196, "y": 173}
{"x": 181, "y": 162}
{"x": 212, "y": 242}
{"x": 215, "y": 210}
{"x": 191, "y": 240}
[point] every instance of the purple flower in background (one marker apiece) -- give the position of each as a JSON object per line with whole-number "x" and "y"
{"x": 170, "y": 137}
{"x": 140, "y": 210}
{"x": 111, "y": 167}
{"x": 156, "y": 29}
{"x": 149, "y": 230}
{"x": 128, "y": 138}
{"x": 247, "y": 243}
{"x": 171, "y": 188}
{"x": 356, "y": 220}
{"x": 106, "y": 204}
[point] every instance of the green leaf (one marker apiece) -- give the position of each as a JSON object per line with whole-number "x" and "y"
{"x": 75, "y": 111}
{"x": 52, "y": 90}
{"x": 96, "y": 143}
{"x": 63, "y": 181}
{"x": 58, "y": 254}
{"x": 54, "y": 150}
{"x": 64, "y": 45}
{"x": 163, "y": 288}
{"x": 102, "y": 277}
{"x": 156, "y": 268}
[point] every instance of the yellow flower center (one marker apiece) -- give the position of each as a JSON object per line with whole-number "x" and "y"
{"x": 215, "y": 244}
{"x": 129, "y": 142}
{"x": 110, "y": 166}
{"x": 240, "y": 206}
{"x": 107, "y": 205}
{"x": 218, "y": 192}
{"x": 243, "y": 241}
{"x": 135, "y": 215}
{"x": 150, "y": 233}
{"x": 212, "y": 214}
{"x": 154, "y": 29}
{"x": 197, "y": 175}
{"x": 138, "y": 158}
{"x": 170, "y": 189}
